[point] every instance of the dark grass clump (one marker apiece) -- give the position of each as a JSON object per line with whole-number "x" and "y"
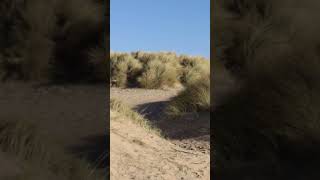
{"x": 99, "y": 64}
{"x": 275, "y": 114}
{"x": 39, "y": 156}
{"x": 49, "y": 41}
{"x": 22, "y": 138}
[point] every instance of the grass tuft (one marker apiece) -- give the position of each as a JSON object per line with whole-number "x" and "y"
{"x": 126, "y": 112}
{"x": 195, "y": 98}
{"x": 40, "y": 157}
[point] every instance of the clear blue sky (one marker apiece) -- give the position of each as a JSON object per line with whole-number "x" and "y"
{"x": 182, "y": 26}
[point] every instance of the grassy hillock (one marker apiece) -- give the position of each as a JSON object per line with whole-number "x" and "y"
{"x": 156, "y": 70}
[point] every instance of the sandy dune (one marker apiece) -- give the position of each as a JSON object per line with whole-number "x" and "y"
{"x": 139, "y": 154}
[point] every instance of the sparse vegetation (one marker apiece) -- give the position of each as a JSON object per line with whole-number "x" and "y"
{"x": 156, "y": 70}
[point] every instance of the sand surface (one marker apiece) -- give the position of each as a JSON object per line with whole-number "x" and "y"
{"x": 76, "y": 117}
{"x": 138, "y": 154}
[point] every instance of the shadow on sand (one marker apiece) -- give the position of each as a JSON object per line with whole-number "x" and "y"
{"x": 188, "y": 126}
